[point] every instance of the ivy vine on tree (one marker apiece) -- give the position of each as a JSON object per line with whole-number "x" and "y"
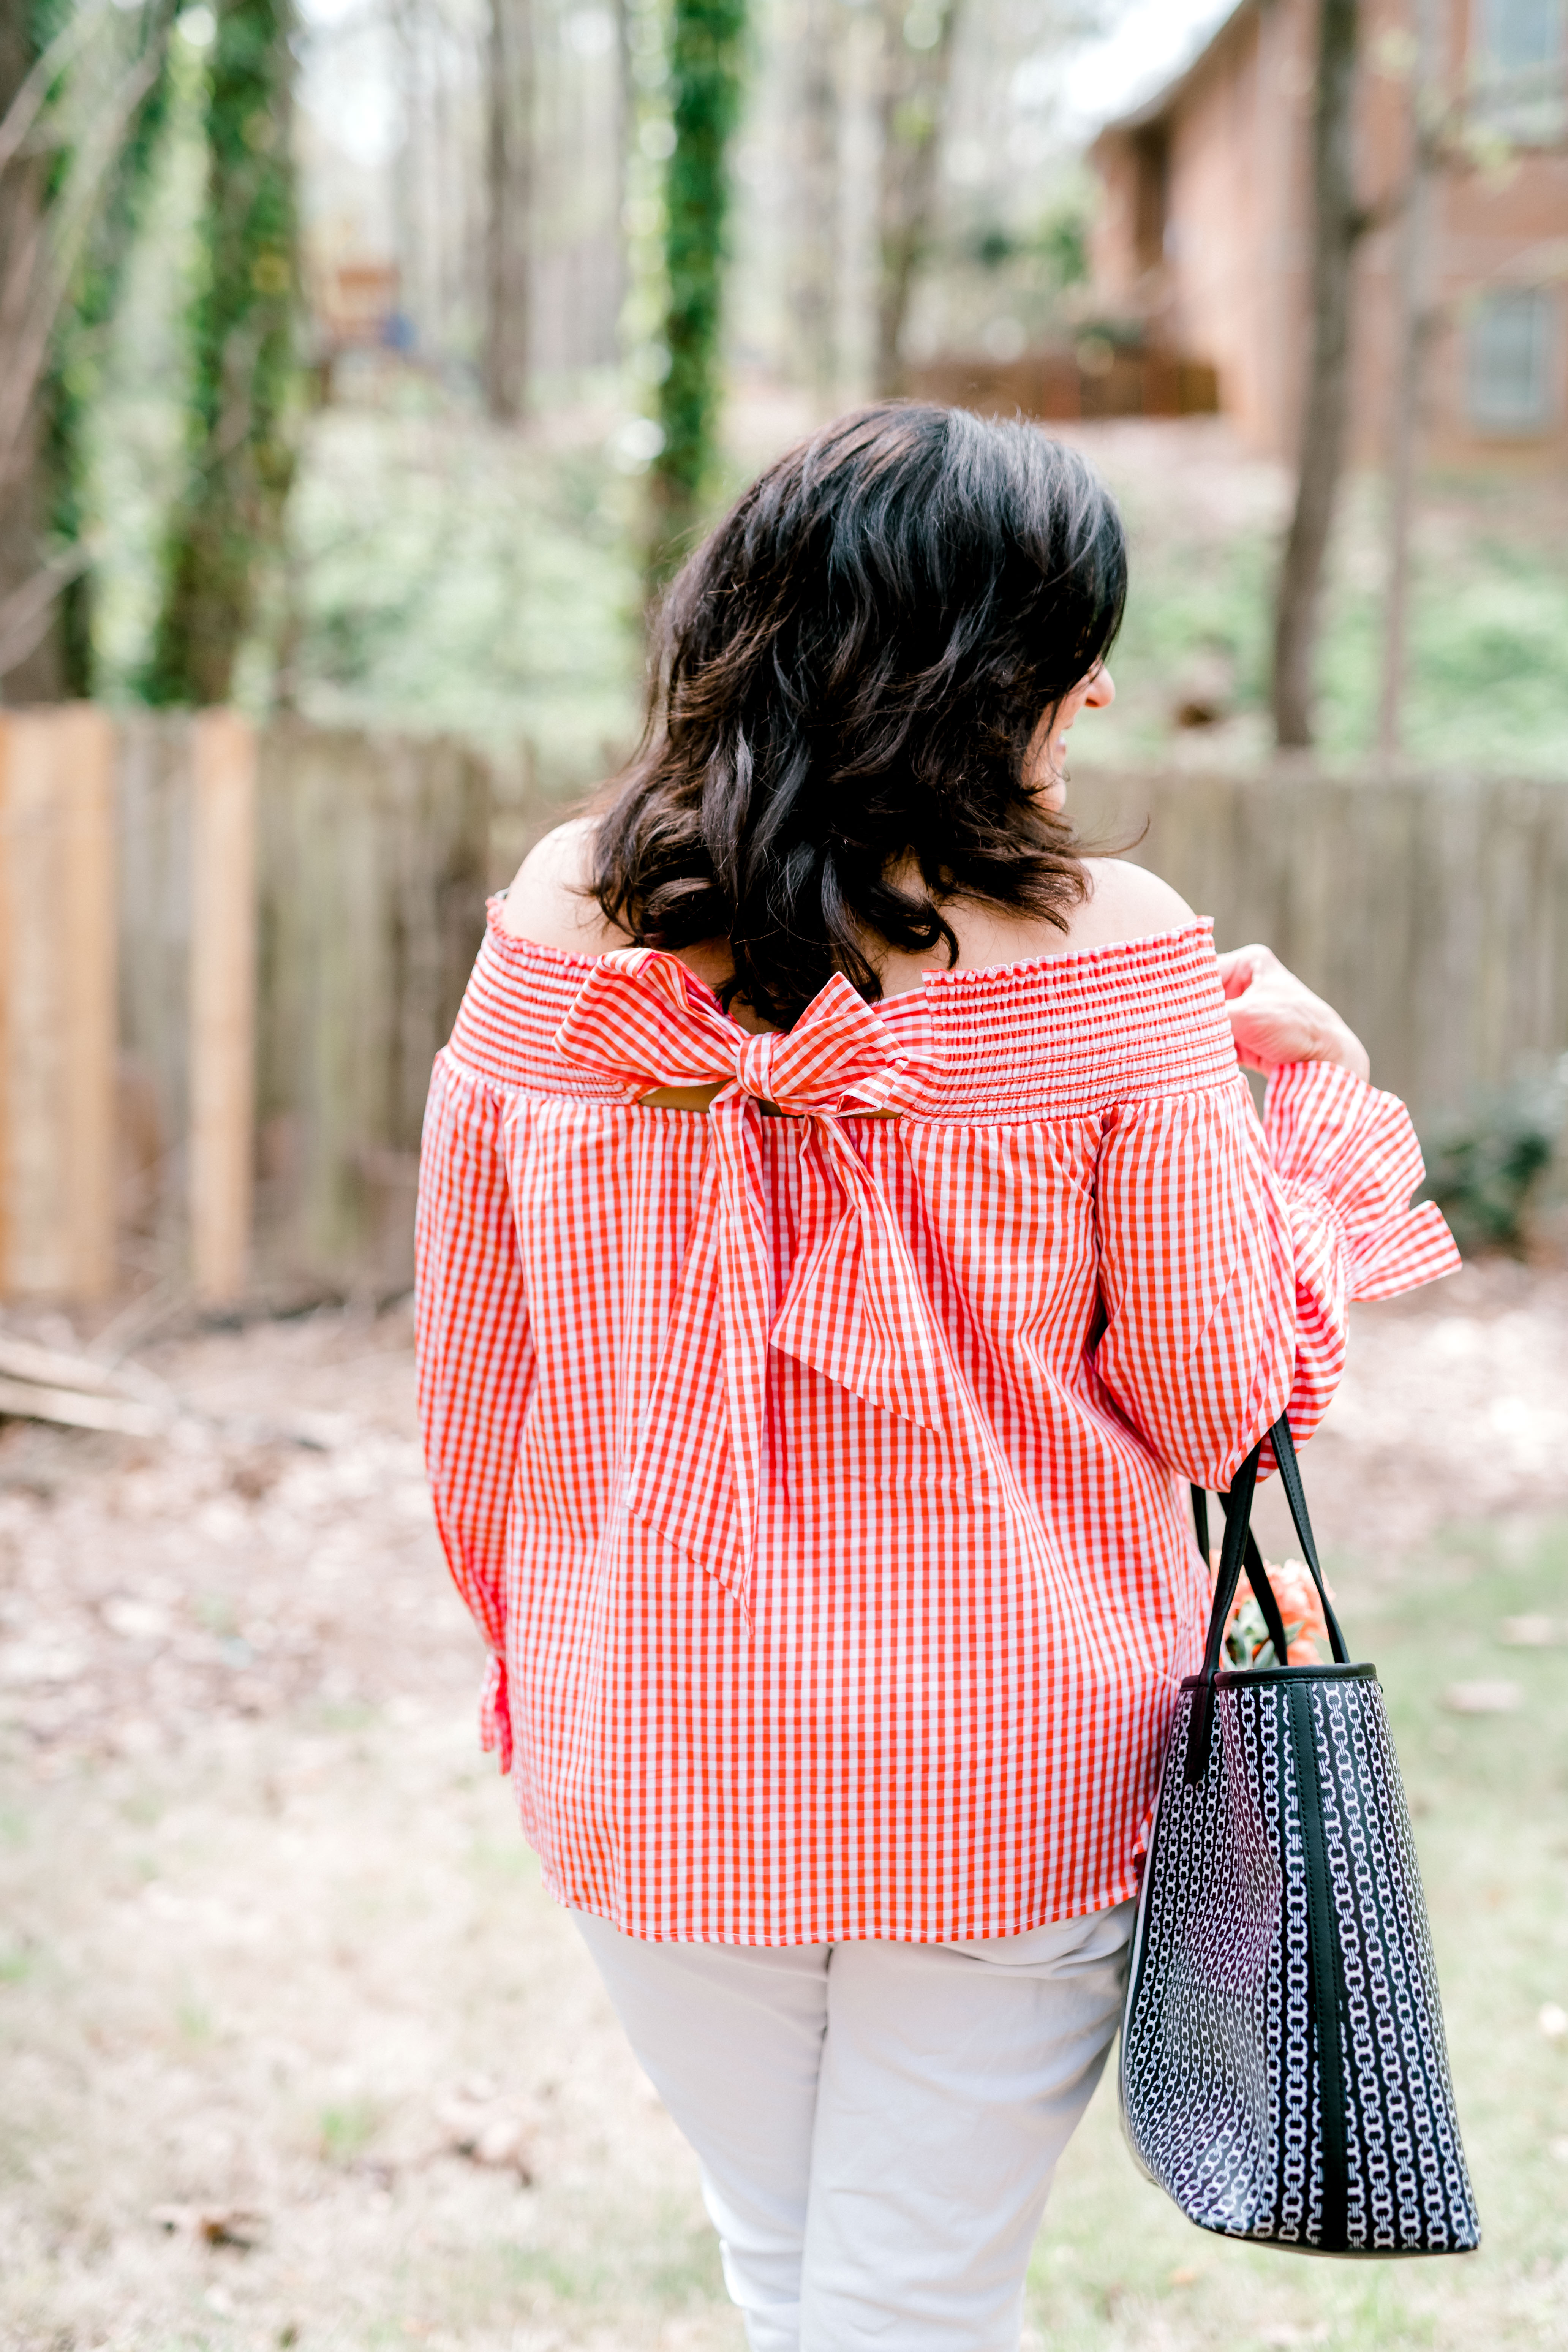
{"x": 706, "y": 39}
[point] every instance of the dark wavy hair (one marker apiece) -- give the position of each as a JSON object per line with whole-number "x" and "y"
{"x": 849, "y": 673}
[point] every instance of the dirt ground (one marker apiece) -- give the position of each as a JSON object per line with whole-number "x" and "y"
{"x": 293, "y": 2047}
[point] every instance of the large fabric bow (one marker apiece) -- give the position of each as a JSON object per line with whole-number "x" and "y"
{"x": 854, "y": 1308}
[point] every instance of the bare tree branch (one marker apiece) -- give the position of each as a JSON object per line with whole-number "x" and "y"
{"x": 25, "y": 613}
{"x": 27, "y": 342}
{"x": 28, "y": 104}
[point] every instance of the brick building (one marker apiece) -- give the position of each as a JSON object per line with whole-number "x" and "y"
{"x": 1204, "y": 233}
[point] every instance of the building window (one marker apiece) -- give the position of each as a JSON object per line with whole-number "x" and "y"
{"x": 1519, "y": 34}
{"x": 1521, "y": 68}
{"x": 1511, "y": 362}
{"x": 1151, "y": 159}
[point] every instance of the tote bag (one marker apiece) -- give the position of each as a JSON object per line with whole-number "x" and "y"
{"x": 1284, "y": 2073}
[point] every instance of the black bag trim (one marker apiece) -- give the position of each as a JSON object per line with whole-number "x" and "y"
{"x": 1323, "y": 1960}
{"x": 1229, "y": 1678}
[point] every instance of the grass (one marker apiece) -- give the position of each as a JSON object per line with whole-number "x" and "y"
{"x": 345, "y": 2132}
{"x": 1488, "y": 676}
{"x": 451, "y": 577}
{"x": 344, "y": 1928}
{"x": 458, "y": 578}
{"x": 445, "y": 577}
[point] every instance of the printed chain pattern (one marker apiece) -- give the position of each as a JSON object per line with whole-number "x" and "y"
{"x": 1220, "y": 2061}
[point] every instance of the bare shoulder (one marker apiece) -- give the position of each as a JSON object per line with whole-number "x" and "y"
{"x": 548, "y": 901}
{"x": 1124, "y": 902}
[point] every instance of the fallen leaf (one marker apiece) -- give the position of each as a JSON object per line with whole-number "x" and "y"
{"x": 1529, "y": 1632}
{"x": 218, "y": 2225}
{"x": 500, "y": 2142}
{"x": 486, "y": 2134}
{"x": 1483, "y": 1698}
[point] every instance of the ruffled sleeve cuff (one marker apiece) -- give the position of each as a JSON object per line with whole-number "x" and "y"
{"x": 1333, "y": 1136}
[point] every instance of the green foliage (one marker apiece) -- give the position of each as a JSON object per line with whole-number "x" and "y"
{"x": 456, "y": 578}
{"x": 1483, "y": 1170}
{"x": 1063, "y": 243}
{"x": 346, "y": 2131}
{"x": 1057, "y": 245}
{"x": 1489, "y": 635}
{"x": 705, "y": 46}
{"x": 242, "y": 455}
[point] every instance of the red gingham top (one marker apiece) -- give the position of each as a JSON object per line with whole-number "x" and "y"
{"x": 819, "y": 1481}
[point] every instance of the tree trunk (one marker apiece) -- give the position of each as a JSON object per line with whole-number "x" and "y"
{"x": 36, "y": 676}
{"x": 1337, "y": 224}
{"x": 229, "y": 524}
{"x": 916, "y": 69}
{"x": 509, "y": 179}
{"x": 1415, "y": 335}
{"x": 705, "y": 90}
{"x": 625, "y": 126}
{"x": 820, "y": 184}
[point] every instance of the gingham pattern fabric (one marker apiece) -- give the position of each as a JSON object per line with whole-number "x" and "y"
{"x": 819, "y": 1481}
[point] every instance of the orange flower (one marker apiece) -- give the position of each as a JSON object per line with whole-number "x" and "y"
{"x": 1246, "y": 1638}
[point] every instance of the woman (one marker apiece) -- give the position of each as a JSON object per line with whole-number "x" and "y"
{"x": 845, "y": 1232}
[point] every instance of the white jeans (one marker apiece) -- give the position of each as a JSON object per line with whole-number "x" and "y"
{"x": 878, "y": 2123}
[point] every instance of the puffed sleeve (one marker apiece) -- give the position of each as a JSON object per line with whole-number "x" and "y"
{"x": 1346, "y": 1160}
{"x": 475, "y": 1354}
{"x": 1231, "y": 1249}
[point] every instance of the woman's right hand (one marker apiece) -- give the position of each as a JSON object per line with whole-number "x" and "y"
{"x": 1275, "y": 1017}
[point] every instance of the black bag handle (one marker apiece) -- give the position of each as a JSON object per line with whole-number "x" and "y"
{"x": 1256, "y": 1574}
{"x": 1295, "y": 1494}
{"x": 1233, "y": 1555}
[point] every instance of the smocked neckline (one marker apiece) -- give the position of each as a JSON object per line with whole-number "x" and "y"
{"x": 1198, "y": 932}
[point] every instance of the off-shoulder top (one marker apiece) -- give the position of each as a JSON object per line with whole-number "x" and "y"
{"x": 814, "y": 1466}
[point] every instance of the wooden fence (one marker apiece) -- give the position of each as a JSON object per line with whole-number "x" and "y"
{"x": 227, "y": 961}
{"x": 1433, "y": 912}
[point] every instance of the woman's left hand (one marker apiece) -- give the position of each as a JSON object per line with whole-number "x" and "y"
{"x": 1275, "y": 1017}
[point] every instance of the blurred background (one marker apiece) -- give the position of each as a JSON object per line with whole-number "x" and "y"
{"x": 365, "y": 368}
{"x": 366, "y": 357}
{"x": 369, "y": 363}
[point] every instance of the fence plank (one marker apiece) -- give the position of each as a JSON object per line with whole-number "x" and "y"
{"x": 58, "y": 918}
{"x": 156, "y": 908}
{"x": 1432, "y": 911}
{"x": 223, "y": 1003}
{"x": 375, "y": 855}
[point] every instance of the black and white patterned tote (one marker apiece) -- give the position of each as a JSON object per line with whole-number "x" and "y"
{"x": 1284, "y": 2075}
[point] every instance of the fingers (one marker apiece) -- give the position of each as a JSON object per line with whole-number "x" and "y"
{"x": 1253, "y": 1038}
{"x": 1275, "y": 1017}
{"x": 1240, "y": 967}
{"x": 1278, "y": 1020}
